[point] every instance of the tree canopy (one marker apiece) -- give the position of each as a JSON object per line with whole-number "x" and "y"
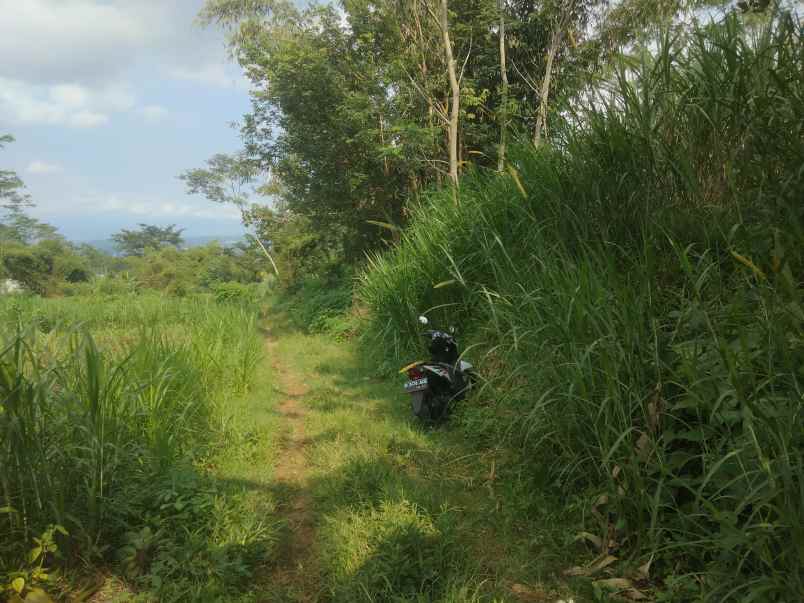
{"x": 136, "y": 242}
{"x": 359, "y": 106}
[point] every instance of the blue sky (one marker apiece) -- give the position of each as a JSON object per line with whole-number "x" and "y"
{"x": 109, "y": 100}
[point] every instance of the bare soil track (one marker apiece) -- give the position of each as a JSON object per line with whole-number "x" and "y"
{"x": 296, "y": 570}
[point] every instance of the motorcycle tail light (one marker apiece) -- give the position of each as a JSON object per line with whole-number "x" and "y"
{"x": 415, "y": 373}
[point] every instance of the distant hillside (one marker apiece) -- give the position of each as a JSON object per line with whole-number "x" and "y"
{"x": 107, "y": 245}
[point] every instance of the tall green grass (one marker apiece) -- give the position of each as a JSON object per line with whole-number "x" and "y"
{"x": 634, "y": 297}
{"x": 103, "y": 404}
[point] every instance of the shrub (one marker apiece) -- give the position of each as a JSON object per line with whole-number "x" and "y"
{"x": 319, "y": 305}
{"x": 234, "y": 292}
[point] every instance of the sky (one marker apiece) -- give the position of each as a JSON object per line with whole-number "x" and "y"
{"x": 109, "y": 100}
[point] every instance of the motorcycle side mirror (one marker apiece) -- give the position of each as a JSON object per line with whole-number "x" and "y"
{"x": 423, "y": 320}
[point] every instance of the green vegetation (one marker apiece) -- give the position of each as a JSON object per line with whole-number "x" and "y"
{"x": 136, "y": 242}
{"x": 406, "y": 514}
{"x": 634, "y": 296}
{"x": 604, "y": 198}
{"x": 109, "y": 410}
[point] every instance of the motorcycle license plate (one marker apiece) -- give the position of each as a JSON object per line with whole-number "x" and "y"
{"x": 416, "y": 385}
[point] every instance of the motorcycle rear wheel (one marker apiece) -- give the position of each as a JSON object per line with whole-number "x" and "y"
{"x": 420, "y": 404}
{"x": 429, "y": 408}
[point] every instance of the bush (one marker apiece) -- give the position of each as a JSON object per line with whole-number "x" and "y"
{"x": 634, "y": 294}
{"x": 320, "y": 305}
{"x": 235, "y": 292}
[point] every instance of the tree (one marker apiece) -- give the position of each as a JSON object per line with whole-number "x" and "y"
{"x": 561, "y": 21}
{"x": 18, "y": 230}
{"x": 225, "y": 180}
{"x": 455, "y": 96}
{"x": 503, "y": 110}
{"x": 12, "y": 197}
{"x": 136, "y": 242}
{"x": 357, "y": 108}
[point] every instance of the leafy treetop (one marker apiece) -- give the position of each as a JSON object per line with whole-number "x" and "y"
{"x": 136, "y": 242}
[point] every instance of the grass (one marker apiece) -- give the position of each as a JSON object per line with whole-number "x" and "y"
{"x": 112, "y": 412}
{"x": 634, "y": 297}
{"x": 408, "y": 514}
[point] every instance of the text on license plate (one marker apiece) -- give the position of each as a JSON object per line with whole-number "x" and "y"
{"x": 416, "y": 385}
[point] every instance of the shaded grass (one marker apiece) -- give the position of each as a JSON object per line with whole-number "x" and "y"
{"x": 406, "y": 514}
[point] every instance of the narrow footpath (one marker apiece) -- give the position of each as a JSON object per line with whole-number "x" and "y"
{"x": 371, "y": 507}
{"x": 296, "y": 571}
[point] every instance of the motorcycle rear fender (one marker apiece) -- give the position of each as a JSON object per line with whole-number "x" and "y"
{"x": 405, "y": 369}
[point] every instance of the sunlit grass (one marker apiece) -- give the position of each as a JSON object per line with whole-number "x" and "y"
{"x": 108, "y": 408}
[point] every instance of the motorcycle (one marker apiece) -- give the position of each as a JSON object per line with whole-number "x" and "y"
{"x": 436, "y": 384}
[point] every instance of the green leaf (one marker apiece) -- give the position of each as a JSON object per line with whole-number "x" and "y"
{"x": 37, "y": 595}
{"x": 385, "y": 225}
{"x": 18, "y": 584}
{"x": 35, "y": 553}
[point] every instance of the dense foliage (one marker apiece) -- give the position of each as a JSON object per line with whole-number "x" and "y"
{"x": 137, "y": 242}
{"x": 634, "y": 297}
{"x": 356, "y": 108}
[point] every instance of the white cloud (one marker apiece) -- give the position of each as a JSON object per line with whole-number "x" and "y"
{"x": 78, "y": 40}
{"x": 217, "y": 74}
{"x": 144, "y": 207}
{"x": 66, "y": 62}
{"x": 154, "y": 114}
{"x": 69, "y": 95}
{"x": 42, "y": 167}
{"x": 91, "y": 42}
{"x": 62, "y": 104}
{"x": 88, "y": 119}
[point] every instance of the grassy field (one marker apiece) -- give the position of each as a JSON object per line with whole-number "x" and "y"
{"x": 114, "y": 413}
{"x": 404, "y": 513}
{"x": 146, "y": 480}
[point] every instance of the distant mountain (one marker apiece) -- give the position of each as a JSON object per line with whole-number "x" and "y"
{"x": 107, "y": 245}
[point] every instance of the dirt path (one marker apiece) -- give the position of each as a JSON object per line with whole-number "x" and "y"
{"x": 296, "y": 572}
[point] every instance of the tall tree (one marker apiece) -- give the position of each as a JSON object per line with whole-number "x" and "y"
{"x": 18, "y": 230}
{"x": 503, "y": 108}
{"x": 328, "y": 120}
{"x": 12, "y": 195}
{"x": 136, "y": 242}
{"x": 560, "y": 23}
{"x": 226, "y": 180}
{"x": 455, "y": 96}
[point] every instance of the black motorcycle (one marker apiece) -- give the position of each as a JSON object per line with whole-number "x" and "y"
{"x": 436, "y": 384}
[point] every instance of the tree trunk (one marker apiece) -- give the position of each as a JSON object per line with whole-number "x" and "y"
{"x": 455, "y": 107}
{"x": 423, "y": 68}
{"x": 541, "y": 118}
{"x": 503, "y": 91}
